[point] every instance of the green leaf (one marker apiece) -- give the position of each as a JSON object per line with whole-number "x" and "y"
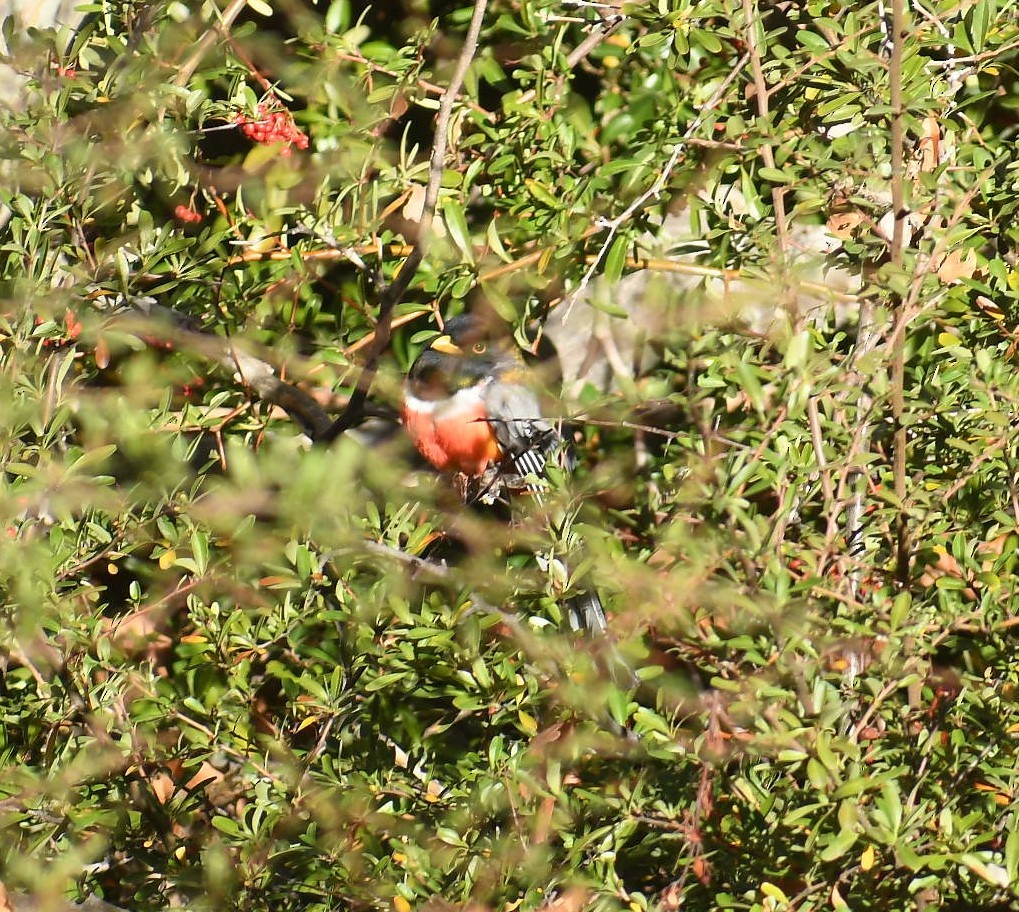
{"x": 1012, "y": 853}
{"x": 456, "y": 223}
{"x": 200, "y": 551}
{"x": 776, "y": 175}
{"x": 839, "y": 846}
{"x": 615, "y": 259}
{"x": 384, "y": 681}
{"x": 227, "y": 825}
{"x": 980, "y": 16}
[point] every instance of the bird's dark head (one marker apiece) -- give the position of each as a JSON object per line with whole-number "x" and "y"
{"x": 469, "y": 350}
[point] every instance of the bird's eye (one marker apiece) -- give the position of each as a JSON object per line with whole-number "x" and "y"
{"x": 479, "y": 348}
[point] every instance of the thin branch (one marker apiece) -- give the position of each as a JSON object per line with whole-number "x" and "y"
{"x": 658, "y": 264}
{"x": 354, "y": 411}
{"x": 653, "y": 264}
{"x": 598, "y": 34}
{"x": 817, "y": 441}
{"x": 325, "y": 253}
{"x": 429, "y": 87}
{"x": 219, "y": 30}
{"x": 752, "y": 20}
{"x": 898, "y": 341}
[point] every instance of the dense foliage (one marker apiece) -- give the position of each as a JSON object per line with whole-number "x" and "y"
{"x": 242, "y": 671}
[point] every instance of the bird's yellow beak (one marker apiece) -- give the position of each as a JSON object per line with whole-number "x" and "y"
{"x": 446, "y": 345}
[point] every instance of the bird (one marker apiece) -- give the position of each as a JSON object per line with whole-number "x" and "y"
{"x": 470, "y": 407}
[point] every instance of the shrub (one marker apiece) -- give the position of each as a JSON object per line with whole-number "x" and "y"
{"x": 775, "y": 246}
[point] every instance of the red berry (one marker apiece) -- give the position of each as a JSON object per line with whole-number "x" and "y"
{"x": 72, "y": 328}
{"x": 272, "y": 124}
{"x": 187, "y": 214}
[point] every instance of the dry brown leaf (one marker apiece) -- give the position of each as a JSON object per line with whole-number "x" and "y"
{"x": 957, "y": 265}
{"x": 671, "y": 898}
{"x": 206, "y": 776}
{"x": 701, "y": 869}
{"x": 162, "y": 786}
{"x": 416, "y": 204}
{"x": 167, "y": 780}
{"x": 843, "y": 224}
{"x": 543, "y": 823}
{"x": 930, "y": 144}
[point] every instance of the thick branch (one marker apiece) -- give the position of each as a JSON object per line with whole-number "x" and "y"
{"x": 152, "y": 319}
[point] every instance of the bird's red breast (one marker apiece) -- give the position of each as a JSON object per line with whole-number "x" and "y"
{"x": 452, "y": 434}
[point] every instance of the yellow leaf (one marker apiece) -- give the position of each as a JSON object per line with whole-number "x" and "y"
{"x": 167, "y": 559}
{"x": 400, "y": 904}
{"x": 528, "y": 723}
{"x": 837, "y": 902}
{"x": 773, "y": 892}
{"x": 867, "y": 858}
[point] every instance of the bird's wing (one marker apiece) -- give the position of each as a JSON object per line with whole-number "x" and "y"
{"x": 524, "y": 435}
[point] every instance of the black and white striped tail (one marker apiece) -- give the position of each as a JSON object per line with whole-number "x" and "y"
{"x": 585, "y": 615}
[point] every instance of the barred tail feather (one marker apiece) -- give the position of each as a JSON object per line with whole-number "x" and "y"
{"x": 584, "y": 614}
{"x": 530, "y": 462}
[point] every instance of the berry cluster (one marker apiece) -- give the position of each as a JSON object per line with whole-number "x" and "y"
{"x": 187, "y": 214}
{"x": 71, "y": 330}
{"x": 272, "y": 126}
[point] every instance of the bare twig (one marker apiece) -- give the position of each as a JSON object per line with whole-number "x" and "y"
{"x": 219, "y": 30}
{"x": 354, "y": 411}
{"x": 429, "y": 87}
{"x": 659, "y": 264}
{"x": 326, "y": 253}
{"x": 598, "y": 34}
{"x": 817, "y": 441}
{"x": 751, "y": 23}
{"x": 898, "y": 341}
{"x": 652, "y": 264}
